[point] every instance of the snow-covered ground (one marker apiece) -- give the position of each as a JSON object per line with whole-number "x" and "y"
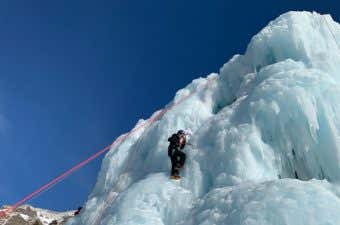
{"x": 27, "y": 215}
{"x": 265, "y": 141}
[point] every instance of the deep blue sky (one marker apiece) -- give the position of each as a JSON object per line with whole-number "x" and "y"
{"x": 75, "y": 74}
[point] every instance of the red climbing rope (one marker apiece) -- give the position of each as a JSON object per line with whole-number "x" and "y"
{"x": 97, "y": 154}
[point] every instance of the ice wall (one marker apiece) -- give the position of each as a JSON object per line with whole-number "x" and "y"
{"x": 265, "y": 141}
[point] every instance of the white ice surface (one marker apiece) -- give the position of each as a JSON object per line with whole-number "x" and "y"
{"x": 269, "y": 116}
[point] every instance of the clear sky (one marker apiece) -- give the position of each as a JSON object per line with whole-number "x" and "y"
{"x": 76, "y": 74}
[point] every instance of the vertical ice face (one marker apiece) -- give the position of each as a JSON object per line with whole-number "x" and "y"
{"x": 265, "y": 131}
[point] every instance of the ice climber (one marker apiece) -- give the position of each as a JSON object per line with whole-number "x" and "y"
{"x": 175, "y": 152}
{"x": 77, "y": 212}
